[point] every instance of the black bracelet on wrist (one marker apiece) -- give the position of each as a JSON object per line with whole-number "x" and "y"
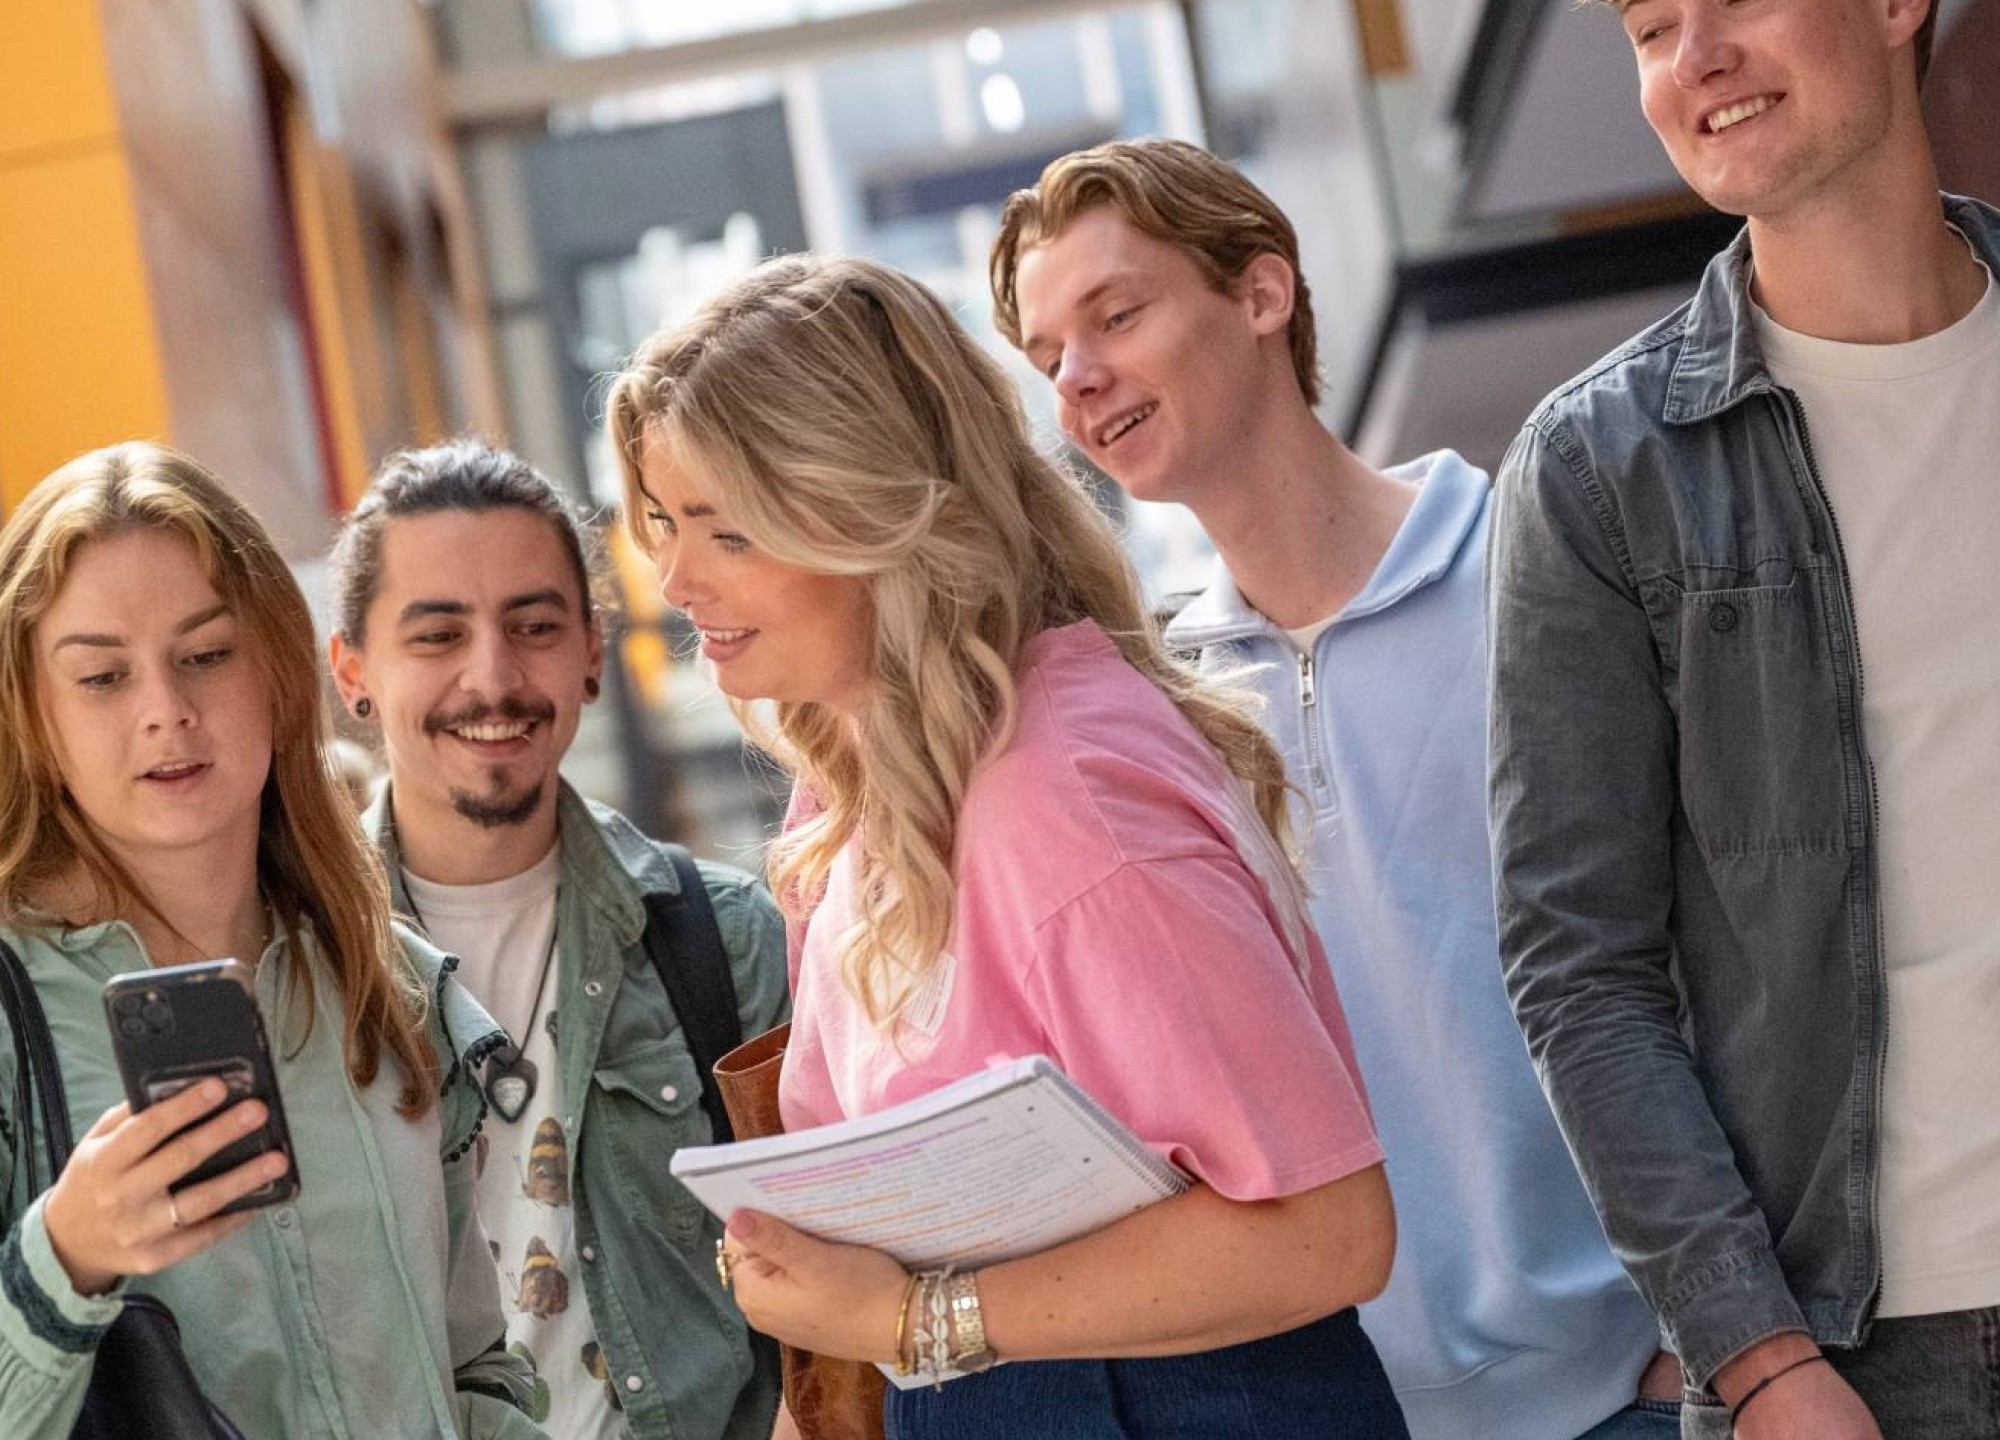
{"x": 1762, "y": 1385}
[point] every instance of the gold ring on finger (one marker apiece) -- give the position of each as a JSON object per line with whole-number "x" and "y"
{"x": 725, "y": 1264}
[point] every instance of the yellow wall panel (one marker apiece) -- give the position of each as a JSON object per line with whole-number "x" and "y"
{"x": 55, "y": 83}
{"x": 335, "y": 277}
{"x": 79, "y": 357}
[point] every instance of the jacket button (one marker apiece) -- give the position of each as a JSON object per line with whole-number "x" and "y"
{"x": 592, "y": 989}
{"x": 1722, "y": 616}
{"x": 589, "y": 1253}
{"x": 669, "y": 1092}
{"x": 634, "y": 1383}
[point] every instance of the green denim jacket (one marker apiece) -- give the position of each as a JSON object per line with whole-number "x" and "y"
{"x": 354, "y": 1312}
{"x": 678, "y": 1347}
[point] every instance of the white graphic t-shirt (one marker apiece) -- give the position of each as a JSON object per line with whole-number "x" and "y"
{"x": 504, "y": 934}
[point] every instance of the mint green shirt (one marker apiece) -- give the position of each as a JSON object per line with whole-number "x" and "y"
{"x": 354, "y": 1312}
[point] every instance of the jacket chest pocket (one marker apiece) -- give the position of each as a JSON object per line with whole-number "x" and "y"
{"x": 648, "y": 1105}
{"x": 1750, "y": 675}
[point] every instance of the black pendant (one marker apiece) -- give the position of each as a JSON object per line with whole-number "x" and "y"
{"x": 510, "y": 1082}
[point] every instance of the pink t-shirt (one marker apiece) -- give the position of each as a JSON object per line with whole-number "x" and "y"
{"x": 1107, "y": 918}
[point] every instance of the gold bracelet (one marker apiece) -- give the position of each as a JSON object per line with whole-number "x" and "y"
{"x": 904, "y": 1364}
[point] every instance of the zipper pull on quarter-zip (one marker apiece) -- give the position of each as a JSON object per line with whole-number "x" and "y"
{"x": 1309, "y": 723}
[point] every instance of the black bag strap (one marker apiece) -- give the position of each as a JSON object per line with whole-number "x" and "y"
{"x": 36, "y": 1074}
{"x": 685, "y": 945}
{"x": 21, "y": 1127}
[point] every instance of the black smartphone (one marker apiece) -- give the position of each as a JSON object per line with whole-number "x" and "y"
{"x": 180, "y": 1024}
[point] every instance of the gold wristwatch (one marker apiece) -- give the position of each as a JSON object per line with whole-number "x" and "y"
{"x": 970, "y": 1352}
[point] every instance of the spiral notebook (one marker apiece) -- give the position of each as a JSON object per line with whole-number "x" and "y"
{"x": 1005, "y": 1162}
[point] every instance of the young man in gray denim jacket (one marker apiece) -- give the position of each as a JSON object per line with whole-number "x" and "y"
{"x": 466, "y": 627}
{"x": 1748, "y": 913}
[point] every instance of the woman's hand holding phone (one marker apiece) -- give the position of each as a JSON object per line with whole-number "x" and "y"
{"x": 111, "y": 1212}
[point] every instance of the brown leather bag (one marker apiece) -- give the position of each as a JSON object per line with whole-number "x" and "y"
{"x": 828, "y": 1399}
{"x": 748, "y": 1079}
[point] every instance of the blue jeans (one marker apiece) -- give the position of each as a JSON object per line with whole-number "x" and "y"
{"x": 1930, "y": 1377}
{"x": 1923, "y": 1377}
{"x": 1319, "y": 1382}
{"x": 1643, "y": 1419}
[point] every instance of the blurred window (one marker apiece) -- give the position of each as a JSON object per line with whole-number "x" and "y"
{"x": 607, "y": 27}
{"x": 905, "y": 154}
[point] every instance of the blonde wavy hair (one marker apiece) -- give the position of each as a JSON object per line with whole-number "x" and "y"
{"x": 846, "y": 424}
{"x": 312, "y": 862}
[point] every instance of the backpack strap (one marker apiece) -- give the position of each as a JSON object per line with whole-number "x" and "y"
{"x": 684, "y": 943}
{"x": 36, "y": 1075}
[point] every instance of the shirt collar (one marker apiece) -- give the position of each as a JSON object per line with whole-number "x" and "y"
{"x": 1451, "y": 498}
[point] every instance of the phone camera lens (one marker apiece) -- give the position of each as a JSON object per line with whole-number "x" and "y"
{"x": 131, "y": 1025}
{"x": 127, "y": 1004}
{"x": 157, "y": 1012}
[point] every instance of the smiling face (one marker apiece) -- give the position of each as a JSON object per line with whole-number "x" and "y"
{"x": 1766, "y": 106}
{"x": 1160, "y": 378}
{"x": 157, "y": 713}
{"x": 772, "y": 631}
{"x": 475, "y": 655}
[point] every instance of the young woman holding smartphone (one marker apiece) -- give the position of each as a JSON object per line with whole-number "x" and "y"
{"x": 165, "y": 797}
{"x": 1018, "y": 827}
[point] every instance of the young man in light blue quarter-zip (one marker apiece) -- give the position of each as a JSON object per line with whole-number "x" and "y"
{"x": 1160, "y": 292}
